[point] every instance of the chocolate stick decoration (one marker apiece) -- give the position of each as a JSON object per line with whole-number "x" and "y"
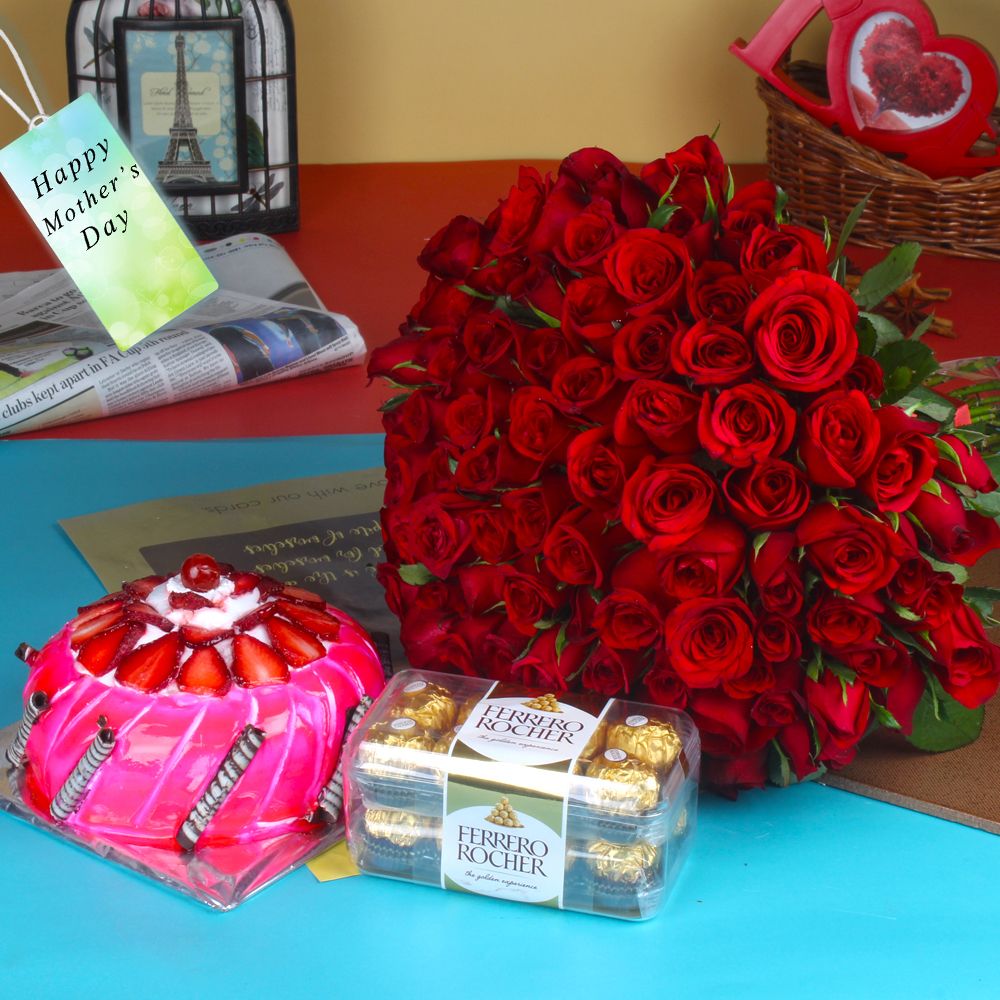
{"x": 68, "y": 798}
{"x": 235, "y": 764}
{"x": 331, "y": 797}
{"x": 37, "y": 703}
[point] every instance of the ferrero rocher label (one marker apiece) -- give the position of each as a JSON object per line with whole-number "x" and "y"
{"x": 625, "y": 784}
{"x": 656, "y": 743}
{"x": 627, "y": 864}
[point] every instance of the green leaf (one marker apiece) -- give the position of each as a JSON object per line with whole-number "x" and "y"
{"x": 779, "y": 769}
{"x": 982, "y": 599}
{"x": 469, "y": 290}
{"x": 906, "y": 364}
{"x": 391, "y": 404}
{"x": 987, "y": 504}
{"x": 887, "y": 275}
{"x": 730, "y": 185}
{"x": 415, "y": 574}
{"x": 960, "y": 573}
{"x": 711, "y": 208}
{"x": 548, "y": 320}
{"x": 827, "y": 235}
{"x": 930, "y": 404}
{"x": 922, "y": 327}
{"x": 940, "y": 723}
{"x": 665, "y": 197}
{"x": 815, "y": 666}
{"x": 905, "y": 613}
{"x": 255, "y": 144}
{"x": 662, "y": 215}
{"x": 893, "y": 520}
{"x": 759, "y": 542}
{"x": 849, "y": 223}
{"x": 867, "y": 337}
{"x": 561, "y": 641}
{"x": 408, "y": 364}
{"x": 780, "y": 204}
{"x": 886, "y": 332}
{"x": 933, "y": 487}
{"x": 884, "y": 716}
{"x": 545, "y": 623}
{"x": 452, "y": 465}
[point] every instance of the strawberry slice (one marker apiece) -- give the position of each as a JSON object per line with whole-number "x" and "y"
{"x": 195, "y": 636}
{"x": 148, "y": 616}
{"x": 301, "y": 596}
{"x": 324, "y": 625}
{"x": 268, "y": 585}
{"x": 96, "y": 610}
{"x": 204, "y": 672}
{"x": 98, "y": 652}
{"x": 255, "y": 617}
{"x": 255, "y": 664}
{"x": 295, "y": 644}
{"x": 187, "y": 601}
{"x": 96, "y": 606}
{"x": 94, "y": 624}
{"x": 243, "y": 583}
{"x": 149, "y": 667}
{"x": 142, "y": 587}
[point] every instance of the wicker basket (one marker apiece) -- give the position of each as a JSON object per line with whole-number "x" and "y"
{"x": 826, "y": 174}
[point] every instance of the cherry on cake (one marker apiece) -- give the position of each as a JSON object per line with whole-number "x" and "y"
{"x": 204, "y": 708}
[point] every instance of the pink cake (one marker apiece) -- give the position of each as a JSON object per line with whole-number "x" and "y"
{"x": 204, "y": 708}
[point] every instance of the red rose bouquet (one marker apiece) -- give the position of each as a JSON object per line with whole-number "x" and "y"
{"x": 647, "y": 443}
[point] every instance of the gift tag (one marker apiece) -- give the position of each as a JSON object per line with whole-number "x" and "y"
{"x": 105, "y": 221}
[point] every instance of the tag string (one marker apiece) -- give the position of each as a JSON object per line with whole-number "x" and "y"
{"x": 41, "y": 116}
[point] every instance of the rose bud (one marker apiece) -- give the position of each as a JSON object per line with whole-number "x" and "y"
{"x": 958, "y": 535}
{"x": 968, "y": 664}
{"x": 840, "y": 712}
{"x": 456, "y": 249}
{"x": 771, "y": 253}
{"x": 906, "y": 459}
{"x": 544, "y": 668}
{"x": 839, "y": 438}
{"x": 777, "y": 575}
{"x": 745, "y": 424}
{"x": 514, "y": 218}
{"x": 970, "y": 470}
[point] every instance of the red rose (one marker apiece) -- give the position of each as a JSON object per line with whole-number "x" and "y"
{"x": 906, "y": 459}
{"x": 775, "y": 709}
{"x": 777, "y": 639}
{"x": 903, "y": 697}
{"x": 610, "y": 671}
{"x": 603, "y": 175}
{"x": 803, "y": 328}
{"x": 641, "y": 348}
{"x": 529, "y": 597}
{"x": 910, "y": 584}
{"x": 468, "y": 419}
{"x": 627, "y": 620}
{"x": 488, "y": 340}
{"x": 456, "y": 249}
{"x": 666, "y": 502}
{"x": 516, "y": 216}
{"x": 797, "y": 743}
{"x": 410, "y": 422}
{"x": 442, "y": 305}
{"x": 718, "y": 292}
{"x": 958, "y": 535}
{"x": 579, "y": 547}
{"x": 724, "y": 724}
{"x": 588, "y": 236}
{"x": 426, "y": 532}
{"x": 543, "y": 668}
{"x": 709, "y": 640}
{"x": 585, "y": 385}
{"x": 659, "y": 413}
{"x": 838, "y": 623}
{"x": 711, "y": 354}
{"x": 840, "y": 712}
{"x": 769, "y": 254}
{"x": 689, "y": 173}
{"x": 649, "y": 269}
{"x": 777, "y": 575}
{"x": 853, "y": 552}
{"x": 422, "y": 635}
{"x": 970, "y": 469}
{"x": 534, "y": 509}
{"x": 729, "y": 776}
{"x": 865, "y": 376}
{"x": 968, "y": 664}
{"x": 537, "y": 430}
{"x": 477, "y": 470}
{"x": 540, "y": 353}
{"x": 839, "y": 438}
{"x": 708, "y": 564}
{"x": 481, "y": 589}
{"x": 666, "y": 688}
{"x": 771, "y": 494}
{"x": 492, "y": 537}
{"x": 591, "y": 313}
{"x": 939, "y": 600}
{"x": 595, "y": 470}
{"x": 745, "y": 424}
{"x": 880, "y": 664}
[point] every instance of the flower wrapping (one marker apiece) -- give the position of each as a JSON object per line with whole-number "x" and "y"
{"x": 646, "y": 443}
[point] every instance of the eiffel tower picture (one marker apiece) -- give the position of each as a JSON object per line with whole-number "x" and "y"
{"x": 184, "y": 162}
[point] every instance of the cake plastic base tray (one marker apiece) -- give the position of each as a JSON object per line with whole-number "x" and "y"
{"x": 219, "y": 877}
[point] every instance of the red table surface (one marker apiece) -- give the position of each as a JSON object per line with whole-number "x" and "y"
{"x": 362, "y": 228}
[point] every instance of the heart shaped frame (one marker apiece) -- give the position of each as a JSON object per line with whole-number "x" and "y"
{"x": 941, "y": 144}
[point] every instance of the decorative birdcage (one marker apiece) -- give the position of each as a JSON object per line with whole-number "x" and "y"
{"x": 204, "y": 93}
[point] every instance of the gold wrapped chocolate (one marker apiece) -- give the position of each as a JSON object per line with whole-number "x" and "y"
{"x": 596, "y": 742}
{"x": 403, "y": 829}
{"x": 651, "y": 741}
{"x": 400, "y": 733}
{"x": 625, "y": 784}
{"x": 445, "y": 741}
{"x": 466, "y": 708}
{"x": 429, "y": 705}
{"x": 629, "y": 864}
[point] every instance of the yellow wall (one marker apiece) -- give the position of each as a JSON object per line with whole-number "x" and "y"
{"x": 383, "y": 80}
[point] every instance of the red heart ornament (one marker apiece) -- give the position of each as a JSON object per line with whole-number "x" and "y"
{"x": 895, "y": 84}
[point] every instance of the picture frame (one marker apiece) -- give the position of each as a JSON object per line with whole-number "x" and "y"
{"x": 182, "y": 101}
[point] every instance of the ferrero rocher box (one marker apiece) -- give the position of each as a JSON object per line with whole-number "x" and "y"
{"x": 561, "y": 800}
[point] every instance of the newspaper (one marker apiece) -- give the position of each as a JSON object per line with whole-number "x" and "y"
{"x": 265, "y": 323}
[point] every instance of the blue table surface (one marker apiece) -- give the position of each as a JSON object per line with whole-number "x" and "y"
{"x": 808, "y": 892}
